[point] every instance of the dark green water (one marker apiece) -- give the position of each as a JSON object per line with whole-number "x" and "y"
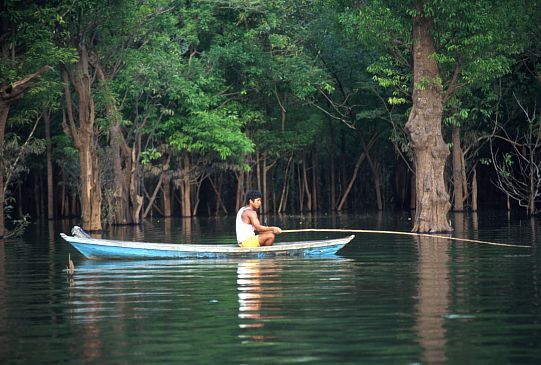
{"x": 384, "y": 299}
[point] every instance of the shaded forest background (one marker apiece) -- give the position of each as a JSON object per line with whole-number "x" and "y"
{"x": 115, "y": 111}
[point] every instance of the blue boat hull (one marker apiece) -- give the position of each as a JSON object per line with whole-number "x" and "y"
{"x": 111, "y": 249}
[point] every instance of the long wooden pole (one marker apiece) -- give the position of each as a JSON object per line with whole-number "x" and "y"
{"x": 402, "y": 233}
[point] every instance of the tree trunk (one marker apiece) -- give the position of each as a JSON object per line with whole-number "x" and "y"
{"x": 217, "y": 187}
{"x": 413, "y": 194}
{"x": 152, "y": 199}
{"x": 301, "y": 188}
{"x": 90, "y": 184}
{"x": 474, "y": 191}
{"x": 74, "y": 207}
{"x": 166, "y": 186}
{"x": 265, "y": 205}
{"x": 239, "y": 201}
{"x": 258, "y": 170}
{"x": 305, "y": 182}
{"x": 314, "y": 179}
{"x": 533, "y": 187}
{"x": 84, "y": 139}
{"x": 4, "y": 111}
{"x": 50, "y": 185}
{"x": 63, "y": 204}
{"x": 186, "y": 202}
{"x": 424, "y": 129}
{"x": 465, "y": 190}
{"x": 457, "y": 171}
{"x": 333, "y": 184}
{"x": 376, "y": 177}
{"x": 283, "y": 195}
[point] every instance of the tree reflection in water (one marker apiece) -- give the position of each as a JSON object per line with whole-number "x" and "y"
{"x": 433, "y": 298}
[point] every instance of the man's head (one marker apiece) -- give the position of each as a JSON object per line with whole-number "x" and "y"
{"x": 252, "y": 197}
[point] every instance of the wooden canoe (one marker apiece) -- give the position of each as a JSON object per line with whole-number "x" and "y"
{"x": 94, "y": 248}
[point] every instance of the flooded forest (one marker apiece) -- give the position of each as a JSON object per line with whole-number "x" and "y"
{"x": 114, "y": 112}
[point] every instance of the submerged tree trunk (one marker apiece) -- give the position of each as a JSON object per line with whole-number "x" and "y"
{"x": 84, "y": 139}
{"x": 474, "y": 191}
{"x": 305, "y": 182}
{"x": 376, "y": 177}
{"x": 166, "y": 185}
{"x": 314, "y": 180}
{"x": 458, "y": 188}
{"x": 4, "y": 110}
{"x": 360, "y": 160}
{"x": 186, "y": 202}
{"x": 424, "y": 129}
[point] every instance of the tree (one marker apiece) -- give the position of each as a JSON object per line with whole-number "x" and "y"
{"x": 27, "y": 52}
{"x": 452, "y": 45}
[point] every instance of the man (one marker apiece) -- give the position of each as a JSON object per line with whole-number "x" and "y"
{"x": 247, "y": 224}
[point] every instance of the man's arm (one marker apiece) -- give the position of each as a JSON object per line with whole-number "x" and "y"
{"x": 254, "y": 221}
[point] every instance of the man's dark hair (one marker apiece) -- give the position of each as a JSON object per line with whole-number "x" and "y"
{"x": 252, "y": 195}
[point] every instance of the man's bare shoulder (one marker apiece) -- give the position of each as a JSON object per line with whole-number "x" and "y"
{"x": 248, "y": 215}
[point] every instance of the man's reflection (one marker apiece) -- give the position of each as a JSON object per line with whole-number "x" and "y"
{"x": 257, "y": 281}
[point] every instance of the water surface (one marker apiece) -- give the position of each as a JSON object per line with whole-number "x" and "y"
{"x": 384, "y": 299}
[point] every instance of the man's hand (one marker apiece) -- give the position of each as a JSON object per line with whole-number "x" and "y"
{"x": 276, "y": 230}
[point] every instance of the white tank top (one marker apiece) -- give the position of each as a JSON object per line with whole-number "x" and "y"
{"x": 244, "y": 230}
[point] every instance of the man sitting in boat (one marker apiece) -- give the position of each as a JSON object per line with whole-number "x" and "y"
{"x": 247, "y": 224}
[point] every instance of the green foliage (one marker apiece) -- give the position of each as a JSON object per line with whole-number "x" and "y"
{"x": 221, "y": 79}
{"x": 150, "y": 155}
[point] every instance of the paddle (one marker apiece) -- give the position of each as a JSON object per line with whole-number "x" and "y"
{"x": 402, "y": 233}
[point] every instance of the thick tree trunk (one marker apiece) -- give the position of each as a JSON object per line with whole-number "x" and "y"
{"x": 84, "y": 140}
{"x": 50, "y": 186}
{"x": 90, "y": 184}
{"x": 413, "y": 195}
{"x": 424, "y": 128}
{"x": 458, "y": 205}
